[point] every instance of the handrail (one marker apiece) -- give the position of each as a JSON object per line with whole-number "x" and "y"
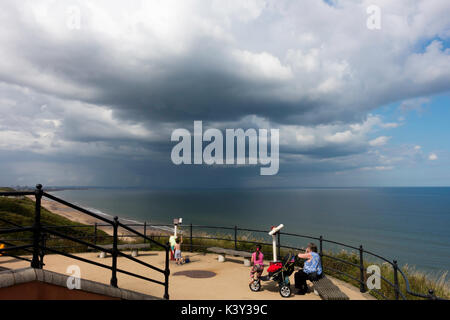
{"x": 89, "y": 213}
{"x": 142, "y": 235}
{"x": 39, "y": 246}
{"x": 115, "y": 224}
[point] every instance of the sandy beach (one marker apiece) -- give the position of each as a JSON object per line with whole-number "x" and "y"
{"x": 82, "y": 218}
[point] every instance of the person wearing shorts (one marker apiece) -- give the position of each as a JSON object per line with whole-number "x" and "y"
{"x": 178, "y": 258}
{"x": 258, "y": 264}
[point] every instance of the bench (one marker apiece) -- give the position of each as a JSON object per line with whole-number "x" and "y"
{"x": 222, "y": 252}
{"x": 328, "y": 290}
{"x": 128, "y": 246}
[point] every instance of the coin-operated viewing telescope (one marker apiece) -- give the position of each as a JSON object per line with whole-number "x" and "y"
{"x": 176, "y": 223}
{"x": 273, "y": 232}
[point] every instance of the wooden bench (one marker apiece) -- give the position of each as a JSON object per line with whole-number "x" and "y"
{"x": 128, "y": 246}
{"x": 328, "y": 290}
{"x": 222, "y": 252}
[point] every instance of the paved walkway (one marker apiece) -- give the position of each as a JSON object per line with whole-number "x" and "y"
{"x": 202, "y": 278}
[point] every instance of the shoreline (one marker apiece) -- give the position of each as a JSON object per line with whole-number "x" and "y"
{"x": 82, "y": 218}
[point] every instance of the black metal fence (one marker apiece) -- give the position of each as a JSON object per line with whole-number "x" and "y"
{"x": 37, "y": 248}
{"x": 234, "y": 236}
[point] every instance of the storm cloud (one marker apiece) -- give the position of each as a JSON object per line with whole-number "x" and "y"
{"x": 108, "y": 81}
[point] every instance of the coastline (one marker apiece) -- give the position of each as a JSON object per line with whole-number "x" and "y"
{"x": 81, "y": 218}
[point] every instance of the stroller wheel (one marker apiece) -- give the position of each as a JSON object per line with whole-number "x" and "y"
{"x": 285, "y": 291}
{"x": 255, "y": 285}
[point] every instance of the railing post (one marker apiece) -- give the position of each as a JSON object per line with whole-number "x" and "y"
{"x": 321, "y": 247}
{"x": 37, "y": 227}
{"x": 362, "y": 287}
{"x": 95, "y": 233}
{"x": 42, "y": 251}
{"x": 166, "y": 274}
{"x": 396, "y": 288}
{"x": 114, "y": 253}
{"x": 190, "y": 235}
{"x": 145, "y": 230}
{"x": 235, "y": 237}
{"x": 431, "y": 295}
{"x": 279, "y": 245}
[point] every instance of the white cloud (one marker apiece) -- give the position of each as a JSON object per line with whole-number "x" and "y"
{"x": 380, "y": 141}
{"x": 432, "y": 156}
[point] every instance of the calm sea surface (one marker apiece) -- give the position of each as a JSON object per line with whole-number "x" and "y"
{"x": 411, "y": 225}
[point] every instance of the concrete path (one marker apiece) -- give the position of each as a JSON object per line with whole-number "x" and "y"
{"x": 228, "y": 280}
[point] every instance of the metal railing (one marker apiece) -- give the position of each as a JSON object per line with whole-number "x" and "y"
{"x": 38, "y": 246}
{"x": 233, "y": 237}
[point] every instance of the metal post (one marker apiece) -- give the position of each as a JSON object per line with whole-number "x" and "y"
{"x": 362, "y": 287}
{"x": 37, "y": 227}
{"x": 95, "y": 233}
{"x": 321, "y": 247}
{"x": 235, "y": 237}
{"x": 431, "y": 295}
{"x": 42, "y": 251}
{"x": 114, "y": 253}
{"x": 190, "y": 234}
{"x": 166, "y": 274}
{"x": 397, "y": 288}
{"x": 279, "y": 245}
{"x": 145, "y": 230}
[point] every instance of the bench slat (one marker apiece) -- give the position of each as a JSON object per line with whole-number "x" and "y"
{"x": 230, "y": 252}
{"x": 328, "y": 290}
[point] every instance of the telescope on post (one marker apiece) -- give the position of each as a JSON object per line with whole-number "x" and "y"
{"x": 273, "y": 233}
{"x": 176, "y": 223}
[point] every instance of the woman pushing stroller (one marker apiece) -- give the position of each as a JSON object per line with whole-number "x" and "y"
{"x": 312, "y": 268}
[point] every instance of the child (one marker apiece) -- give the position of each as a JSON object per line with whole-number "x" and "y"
{"x": 258, "y": 264}
{"x": 178, "y": 257}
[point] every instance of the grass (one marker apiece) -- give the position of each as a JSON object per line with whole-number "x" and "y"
{"x": 6, "y": 189}
{"x": 419, "y": 282}
{"x": 19, "y": 211}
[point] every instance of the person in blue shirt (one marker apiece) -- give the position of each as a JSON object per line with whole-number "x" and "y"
{"x": 312, "y": 268}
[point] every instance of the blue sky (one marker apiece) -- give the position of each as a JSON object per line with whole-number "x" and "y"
{"x": 91, "y": 93}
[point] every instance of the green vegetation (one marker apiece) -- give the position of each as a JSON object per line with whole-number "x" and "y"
{"x": 6, "y": 189}
{"x": 19, "y": 212}
{"x": 419, "y": 282}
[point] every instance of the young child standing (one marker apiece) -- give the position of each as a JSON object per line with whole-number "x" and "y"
{"x": 178, "y": 257}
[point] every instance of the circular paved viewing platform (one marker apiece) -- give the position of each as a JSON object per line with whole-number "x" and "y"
{"x": 203, "y": 278}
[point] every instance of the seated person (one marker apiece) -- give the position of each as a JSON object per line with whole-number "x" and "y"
{"x": 312, "y": 268}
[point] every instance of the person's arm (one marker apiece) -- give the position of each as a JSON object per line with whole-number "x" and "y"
{"x": 306, "y": 256}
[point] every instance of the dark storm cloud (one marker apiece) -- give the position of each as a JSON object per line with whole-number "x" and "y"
{"x": 114, "y": 89}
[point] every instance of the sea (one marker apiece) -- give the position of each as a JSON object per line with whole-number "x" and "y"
{"x": 407, "y": 224}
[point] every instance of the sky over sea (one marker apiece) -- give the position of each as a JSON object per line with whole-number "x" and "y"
{"x": 90, "y": 91}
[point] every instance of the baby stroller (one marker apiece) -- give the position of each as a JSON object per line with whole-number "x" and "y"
{"x": 279, "y": 272}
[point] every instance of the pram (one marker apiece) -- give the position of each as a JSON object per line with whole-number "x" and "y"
{"x": 279, "y": 272}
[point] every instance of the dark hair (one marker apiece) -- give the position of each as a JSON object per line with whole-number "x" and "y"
{"x": 177, "y": 240}
{"x": 312, "y": 247}
{"x": 258, "y": 249}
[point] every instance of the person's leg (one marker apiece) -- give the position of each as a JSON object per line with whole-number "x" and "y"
{"x": 300, "y": 280}
{"x": 252, "y": 274}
